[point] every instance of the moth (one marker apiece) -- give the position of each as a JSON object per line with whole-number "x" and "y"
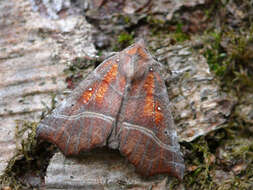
{"x": 123, "y": 104}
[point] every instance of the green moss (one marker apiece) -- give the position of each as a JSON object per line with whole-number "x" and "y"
{"x": 30, "y": 159}
{"x": 229, "y": 56}
{"x": 25, "y": 151}
{"x": 199, "y": 161}
{"x": 154, "y": 21}
{"x": 179, "y": 35}
{"x": 167, "y": 34}
{"x": 79, "y": 63}
{"x": 77, "y": 70}
{"x": 215, "y": 55}
{"x": 125, "y": 39}
{"x": 127, "y": 19}
{"x": 28, "y": 143}
{"x": 219, "y": 152}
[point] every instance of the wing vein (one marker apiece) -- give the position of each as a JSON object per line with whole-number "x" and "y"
{"x": 126, "y": 125}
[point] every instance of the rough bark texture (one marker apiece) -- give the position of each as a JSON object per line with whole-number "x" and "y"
{"x": 199, "y": 104}
{"x": 102, "y": 170}
{"x": 34, "y": 53}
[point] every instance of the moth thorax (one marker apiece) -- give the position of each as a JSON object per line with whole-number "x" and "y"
{"x": 133, "y": 70}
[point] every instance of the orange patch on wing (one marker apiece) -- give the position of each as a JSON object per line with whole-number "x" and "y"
{"x": 132, "y": 50}
{"x": 139, "y": 51}
{"x": 142, "y": 53}
{"x": 111, "y": 75}
{"x": 149, "y": 100}
{"x": 158, "y": 114}
{"x": 87, "y": 94}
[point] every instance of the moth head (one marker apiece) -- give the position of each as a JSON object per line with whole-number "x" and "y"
{"x": 135, "y": 61}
